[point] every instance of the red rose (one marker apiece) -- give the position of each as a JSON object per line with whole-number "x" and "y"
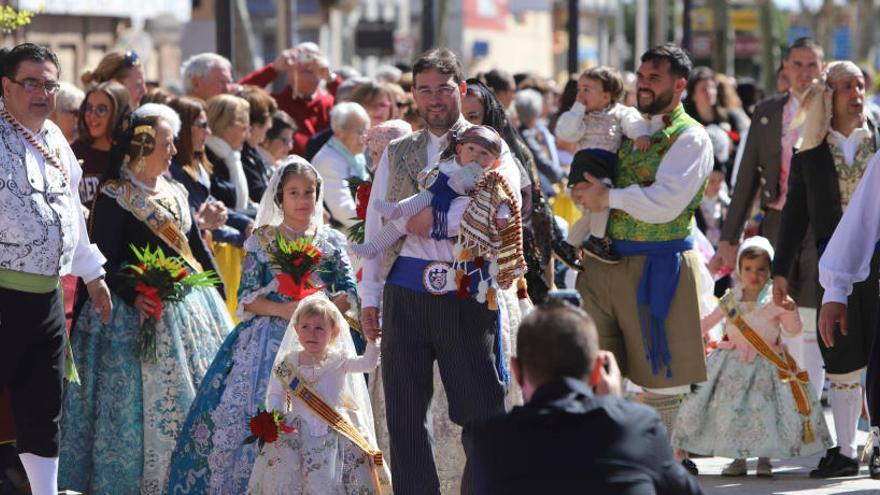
{"x": 263, "y": 427}
{"x": 362, "y": 199}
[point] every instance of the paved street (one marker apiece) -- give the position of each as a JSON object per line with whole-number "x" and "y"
{"x": 790, "y": 477}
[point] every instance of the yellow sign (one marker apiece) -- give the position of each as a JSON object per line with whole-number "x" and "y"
{"x": 744, "y": 19}
{"x": 703, "y": 19}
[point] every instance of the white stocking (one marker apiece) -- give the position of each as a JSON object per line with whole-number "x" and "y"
{"x": 846, "y": 406}
{"x": 42, "y": 473}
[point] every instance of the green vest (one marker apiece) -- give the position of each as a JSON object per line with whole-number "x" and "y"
{"x": 640, "y": 168}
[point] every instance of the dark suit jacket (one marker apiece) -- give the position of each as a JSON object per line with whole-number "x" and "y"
{"x": 760, "y": 166}
{"x": 567, "y": 440}
{"x": 257, "y": 172}
{"x": 813, "y": 202}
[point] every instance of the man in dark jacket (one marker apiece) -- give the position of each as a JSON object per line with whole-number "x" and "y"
{"x": 570, "y": 438}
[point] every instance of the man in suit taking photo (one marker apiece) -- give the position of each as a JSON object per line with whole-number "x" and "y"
{"x": 572, "y": 436}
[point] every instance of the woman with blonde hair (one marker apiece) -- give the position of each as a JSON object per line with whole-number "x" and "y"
{"x": 229, "y": 120}
{"x": 123, "y": 67}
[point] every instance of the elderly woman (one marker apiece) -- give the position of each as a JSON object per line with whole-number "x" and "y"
{"x": 125, "y": 68}
{"x": 230, "y": 122}
{"x": 66, "y": 113}
{"x": 122, "y": 423}
{"x": 103, "y": 118}
{"x": 529, "y": 105}
{"x": 341, "y": 158}
{"x": 257, "y": 170}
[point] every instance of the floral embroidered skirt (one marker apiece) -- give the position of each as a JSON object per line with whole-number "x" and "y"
{"x": 211, "y": 456}
{"x": 302, "y": 464}
{"x": 744, "y": 410}
{"x": 120, "y": 426}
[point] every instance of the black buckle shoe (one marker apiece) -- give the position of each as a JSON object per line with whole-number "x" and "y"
{"x": 837, "y": 466}
{"x": 600, "y": 249}
{"x": 690, "y": 467}
{"x": 874, "y": 464}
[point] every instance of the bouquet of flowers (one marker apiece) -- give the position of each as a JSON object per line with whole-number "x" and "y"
{"x": 296, "y": 261}
{"x": 266, "y": 427}
{"x": 162, "y": 279}
{"x": 360, "y": 191}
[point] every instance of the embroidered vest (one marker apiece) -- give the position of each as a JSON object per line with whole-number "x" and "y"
{"x": 640, "y": 168}
{"x": 849, "y": 176}
{"x": 406, "y": 158}
{"x": 38, "y": 213}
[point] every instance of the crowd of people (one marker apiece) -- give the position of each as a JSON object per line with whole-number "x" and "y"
{"x": 433, "y": 284}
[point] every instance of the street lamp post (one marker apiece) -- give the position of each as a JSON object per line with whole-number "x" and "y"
{"x": 573, "y": 35}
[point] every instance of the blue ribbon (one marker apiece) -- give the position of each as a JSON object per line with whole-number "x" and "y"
{"x": 656, "y": 290}
{"x": 407, "y": 273}
{"x": 440, "y": 203}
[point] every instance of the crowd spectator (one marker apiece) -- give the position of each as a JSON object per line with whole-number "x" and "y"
{"x": 124, "y": 67}
{"x": 229, "y": 120}
{"x": 343, "y": 157}
{"x": 529, "y": 108}
{"x": 257, "y": 169}
{"x": 207, "y": 75}
{"x": 103, "y": 118}
{"x": 279, "y": 137}
{"x": 302, "y": 98}
{"x": 66, "y": 113}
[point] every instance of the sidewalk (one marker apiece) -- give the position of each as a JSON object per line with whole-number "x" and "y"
{"x": 790, "y": 476}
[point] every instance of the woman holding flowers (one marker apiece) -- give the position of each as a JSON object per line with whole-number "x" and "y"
{"x": 290, "y": 255}
{"x": 122, "y": 422}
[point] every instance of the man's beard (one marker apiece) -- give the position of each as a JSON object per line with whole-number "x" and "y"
{"x": 658, "y": 102}
{"x": 444, "y": 121}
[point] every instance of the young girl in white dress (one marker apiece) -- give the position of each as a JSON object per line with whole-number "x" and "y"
{"x": 318, "y": 385}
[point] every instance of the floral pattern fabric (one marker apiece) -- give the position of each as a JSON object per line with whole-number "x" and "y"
{"x": 120, "y": 426}
{"x": 211, "y": 457}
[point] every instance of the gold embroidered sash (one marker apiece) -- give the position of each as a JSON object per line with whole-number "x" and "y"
{"x": 786, "y": 366}
{"x": 298, "y": 388}
{"x": 133, "y": 200}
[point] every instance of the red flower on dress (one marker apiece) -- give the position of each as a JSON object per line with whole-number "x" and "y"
{"x": 267, "y": 427}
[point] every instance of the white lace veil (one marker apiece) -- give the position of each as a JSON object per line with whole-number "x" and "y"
{"x": 356, "y": 400}
{"x": 270, "y": 212}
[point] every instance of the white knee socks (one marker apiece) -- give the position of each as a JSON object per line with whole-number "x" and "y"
{"x": 846, "y": 406}
{"x": 42, "y": 473}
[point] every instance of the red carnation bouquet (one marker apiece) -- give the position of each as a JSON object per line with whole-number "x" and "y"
{"x": 266, "y": 427}
{"x": 296, "y": 261}
{"x": 360, "y": 191}
{"x": 162, "y": 279}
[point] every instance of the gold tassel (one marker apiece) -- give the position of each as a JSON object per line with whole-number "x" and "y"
{"x": 491, "y": 300}
{"x": 809, "y": 436}
{"x": 465, "y": 255}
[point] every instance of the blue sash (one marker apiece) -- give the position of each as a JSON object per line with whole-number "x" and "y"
{"x": 414, "y": 274}
{"x": 656, "y": 290}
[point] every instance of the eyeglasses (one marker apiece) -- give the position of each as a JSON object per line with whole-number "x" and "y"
{"x": 130, "y": 58}
{"x": 100, "y": 110}
{"x": 31, "y": 85}
{"x": 444, "y": 91}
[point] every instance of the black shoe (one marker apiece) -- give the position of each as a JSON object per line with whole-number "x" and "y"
{"x": 829, "y": 455}
{"x": 601, "y": 250}
{"x": 690, "y": 467}
{"x": 839, "y": 465}
{"x": 874, "y": 464}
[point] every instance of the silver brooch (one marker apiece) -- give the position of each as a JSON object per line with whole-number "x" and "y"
{"x": 764, "y": 120}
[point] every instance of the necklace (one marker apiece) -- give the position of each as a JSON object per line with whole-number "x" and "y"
{"x": 29, "y": 137}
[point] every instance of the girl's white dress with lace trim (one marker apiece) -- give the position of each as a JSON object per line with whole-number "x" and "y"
{"x": 315, "y": 459}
